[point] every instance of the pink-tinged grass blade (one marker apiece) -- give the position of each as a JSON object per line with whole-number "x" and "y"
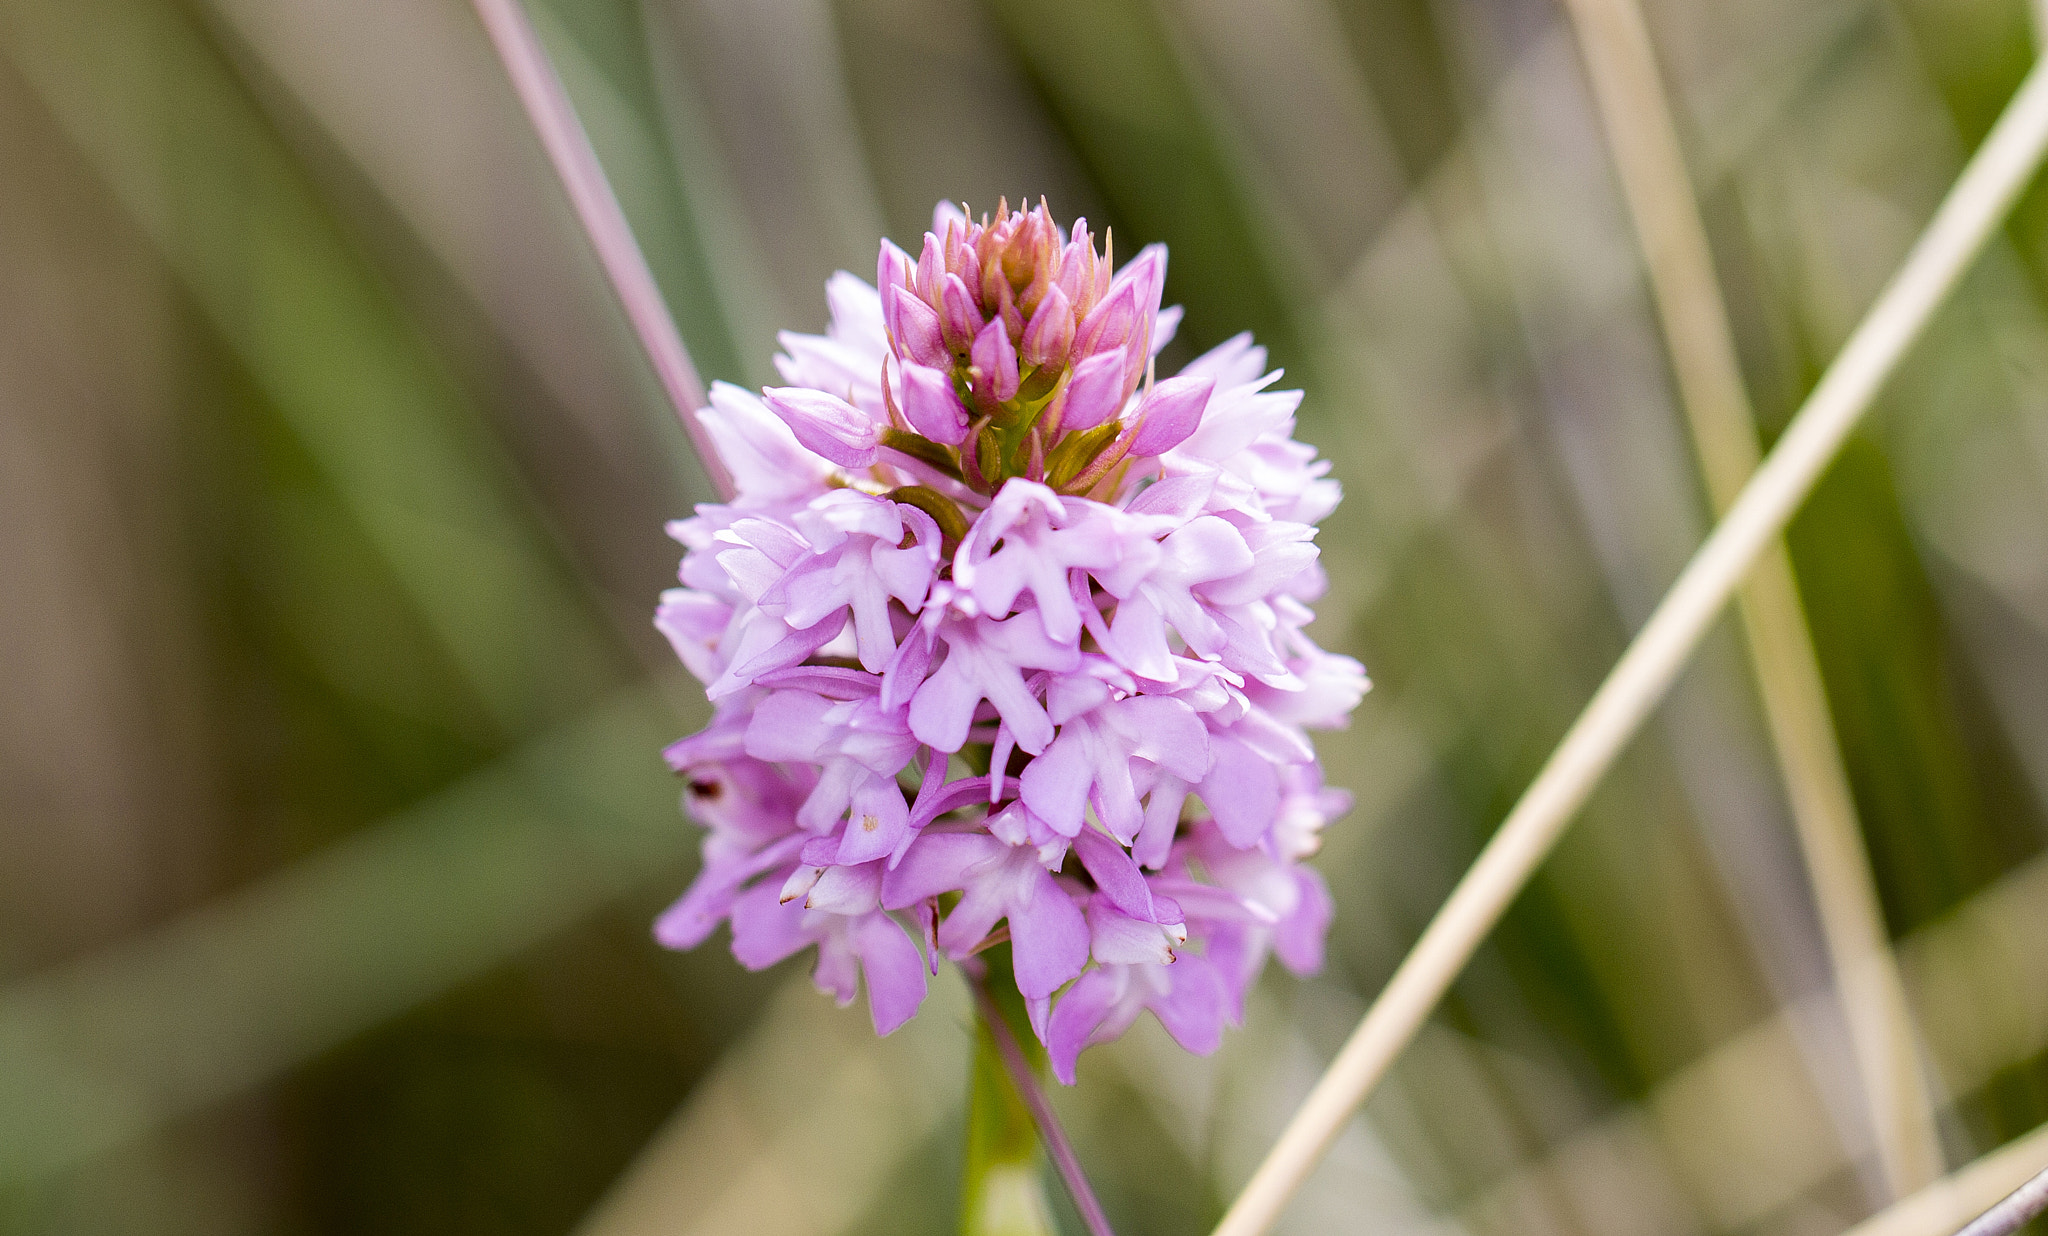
{"x": 554, "y": 118}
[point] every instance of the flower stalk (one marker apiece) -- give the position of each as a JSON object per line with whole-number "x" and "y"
{"x": 1002, "y": 1191}
{"x": 1010, "y": 1116}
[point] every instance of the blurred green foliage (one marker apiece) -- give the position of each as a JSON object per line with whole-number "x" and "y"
{"x": 333, "y": 489}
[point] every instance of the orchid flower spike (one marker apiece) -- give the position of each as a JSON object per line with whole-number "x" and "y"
{"x": 1006, "y": 640}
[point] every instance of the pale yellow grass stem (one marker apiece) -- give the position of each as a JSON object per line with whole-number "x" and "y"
{"x": 1967, "y": 216}
{"x": 1643, "y": 139}
{"x": 1955, "y": 1199}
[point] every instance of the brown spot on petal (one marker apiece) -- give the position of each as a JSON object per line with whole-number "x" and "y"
{"x": 706, "y": 788}
{"x": 869, "y": 823}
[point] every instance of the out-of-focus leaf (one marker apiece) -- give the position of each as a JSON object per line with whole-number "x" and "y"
{"x": 184, "y": 151}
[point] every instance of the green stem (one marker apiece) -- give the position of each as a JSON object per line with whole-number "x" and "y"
{"x": 1003, "y": 1193}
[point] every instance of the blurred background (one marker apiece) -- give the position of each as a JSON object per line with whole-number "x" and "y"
{"x": 331, "y": 499}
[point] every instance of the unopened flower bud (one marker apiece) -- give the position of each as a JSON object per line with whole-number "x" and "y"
{"x": 931, "y": 268}
{"x": 959, "y": 319}
{"x": 1077, "y": 270}
{"x": 932, "y": 406}
{"x": 1095, "y": 392}
{"x": 1147, "y": 276}
{"x": 914, "y": 327}
{"x": 1004, "y": 309}
{"x": 961, "y": 258}
{"x": 995, "y": 359}
{"x": 1108, "y": 328}
{"x": 893, "y": 268}
{"x": 1050, "y": 332}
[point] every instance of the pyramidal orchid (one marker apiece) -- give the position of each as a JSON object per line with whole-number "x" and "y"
{"x": 1005, "y": 638}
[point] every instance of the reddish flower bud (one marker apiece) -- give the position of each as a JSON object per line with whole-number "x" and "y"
{"x": 961, "y": 259}
{"x": 1006, "y": 309}
{"x": 1051, "y": 330}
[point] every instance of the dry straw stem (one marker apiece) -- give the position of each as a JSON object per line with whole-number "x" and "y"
{"x": 597, "y": 207}
{"x": 1643, "y": 138}
{"x": 1973, "y": 208}
{"x": 2014, "y": 1211}
{"x": 1970, "y": 1191}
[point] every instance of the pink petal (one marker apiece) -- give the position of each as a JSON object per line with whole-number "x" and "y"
{"x": 1298, "y": 938}
{"x": 1171, "y": 411}
{"x": 764, "y": 929}
{"x": 1195, "y": 1007}
{"x": 1117, "y": 875}
{"x": 943, "y": 708}
{"x": 1115, "y": 938}
{"x": 936, "y": 863}
{"x": 1055, "y": 785}
{"x": 894, "y": 971}
{"x": 906, "y": 672}
{"x": 1048, "y": 939}
{"x": 1243, "y": 793}
{"x": 791, "y": 726}
{"x": 826, "y": 424}
{"x": 878, "y": 823}
{"x": 1166, "y": 732}
{"x": 847, "y": 890}
{"x": 1075, "y": 1019}
{"x": 793, "y": 647}
{"x": 1162, "y": 820}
